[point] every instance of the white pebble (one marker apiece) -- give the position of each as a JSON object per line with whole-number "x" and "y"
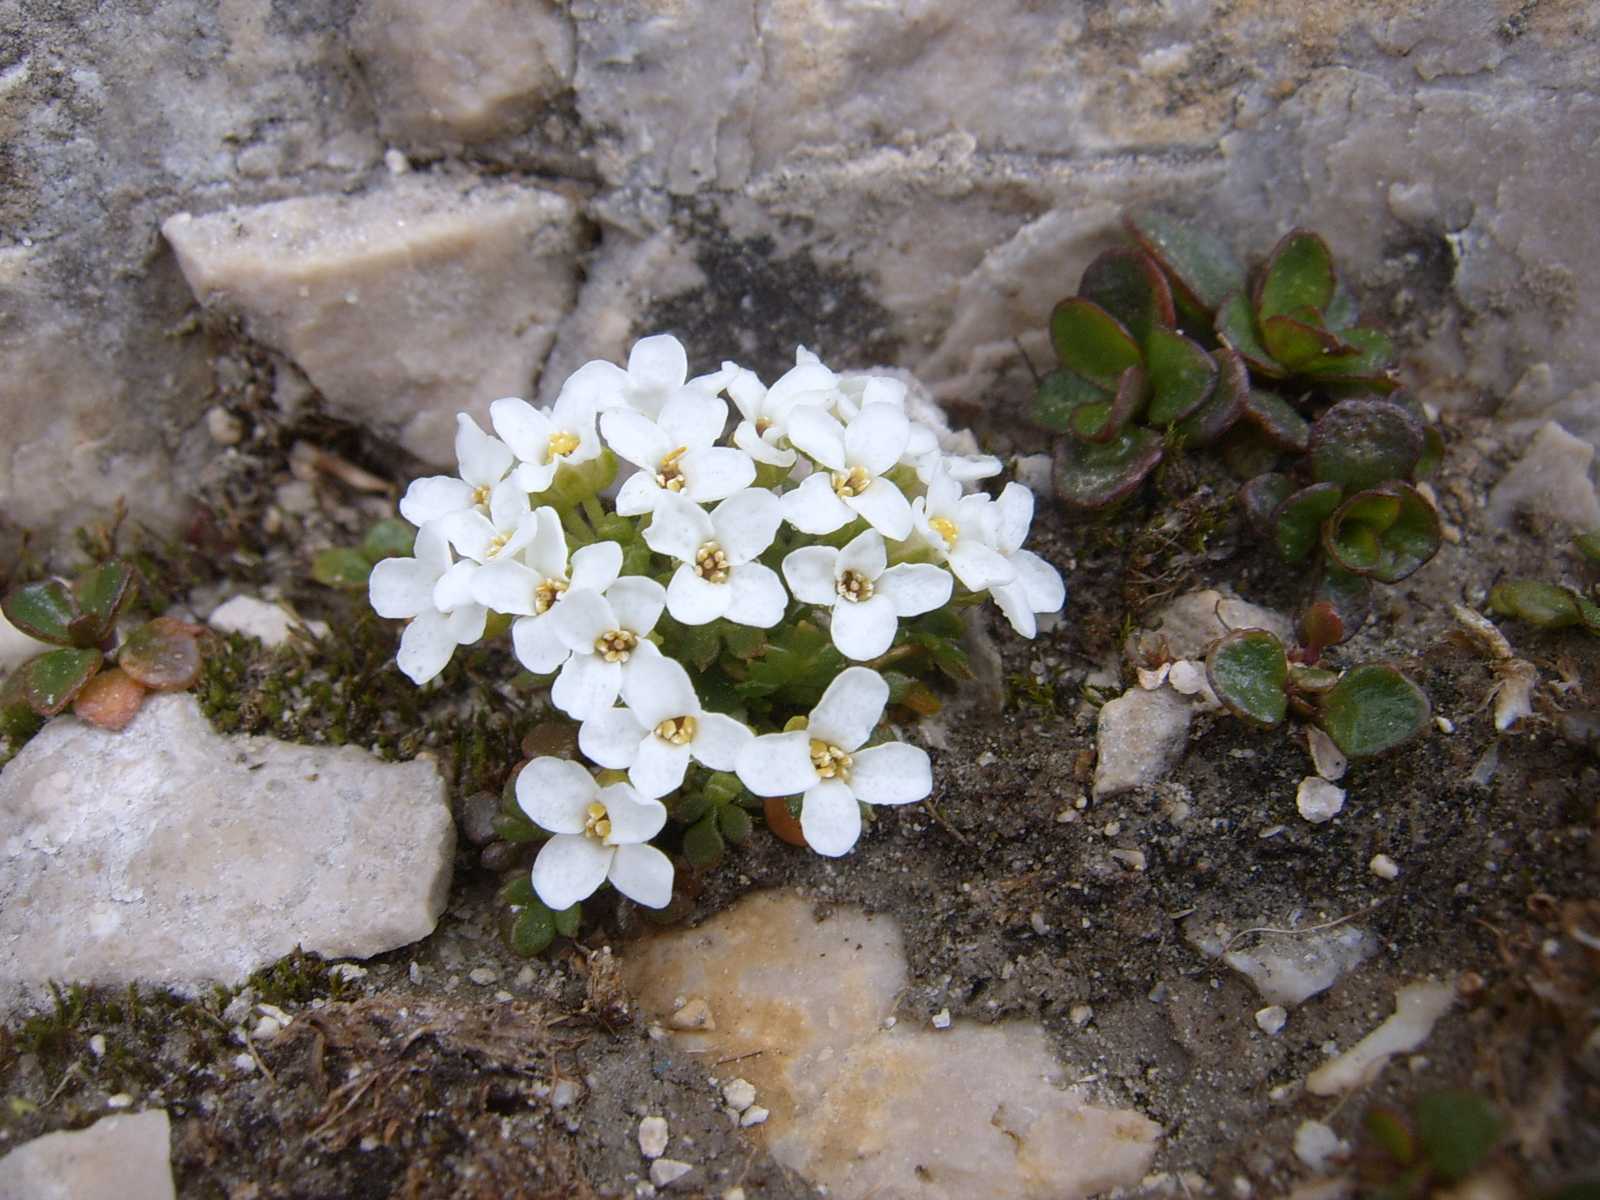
{"x": 1081, "y": 1015}
{"x": 1272, "y": 1019}
{"x": 694, "y": 1014}
{"x": 120, "y": 1100}
{"x": 414, "y": 973}
{"x": 1132, "y": 859}
{"x": 244, "y": 1062}
{"x": 484, "y": 976}
{"x": 653, "y": 1137}
{"x": 1383, "y": 866}
{"x": 1444, "y": 724}
{"x": 754, "y": 1115}
{"x": 739, "y": 1093}
{"x": 225, "y": 428}
{"x": 1325, "y": 755}
{"x": 97, "y": 1045}
{"x": 347, "y": 972}
{"x": 664, "y": 1172}
{"x": 941, "y": 1019}
{"x": 395, "y": 161}
{"x": 1318, "y": 800}
{"x": 565, "y": 1093}
{"x": 1315, "y": 1144}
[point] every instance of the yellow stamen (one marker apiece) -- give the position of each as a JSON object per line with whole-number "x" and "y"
{"x": 677, "y": 730}
{"x": 762, "y": 425}
{"x": 597, "y": 822}
{"x": 669, "y": 475}
{"x": 496, "y": 544}
{"x": 851, "y": 483}
{"x": 562, "y": 444}
{"x": 854, "y": 586}
{"x": 615, "y": 646}
{"x": 480, "y": 495}
{"x": 830, "y": 761}
{"x": 546, "y": 594}
{"x": 945, "y": 528}
{"x": 711, "y": 564}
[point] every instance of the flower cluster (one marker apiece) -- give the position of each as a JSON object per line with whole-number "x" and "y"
{"x": 626, "y": 536}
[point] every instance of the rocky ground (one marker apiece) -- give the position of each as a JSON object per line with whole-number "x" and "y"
{"x": 1022, "y": 892}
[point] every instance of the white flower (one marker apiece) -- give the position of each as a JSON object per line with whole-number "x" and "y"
{"x": 825, "y": 765}
{"x": 858, "y": 391}
{"x": 483, "y": 462}
{"x": 658, "y": 369}
{"x": 676, "y": 453}
{"x": 763, "y": 433}
{"x": 543, "y": 441}
{"x": 856, "y": 456}
{"x": 662, "y": 727}
{"x": 533, "y": 583}
{"x": 866, "y": 600}
{"x": 407, "y": 588}
{"x": 600, "y": 834}
{"x": 927, "y": 457}
{"x": 1037, "y": 587}
{"x": 718, "y": 575}
{"x": 961, "y": 531}
{"x": 606, "y": 632}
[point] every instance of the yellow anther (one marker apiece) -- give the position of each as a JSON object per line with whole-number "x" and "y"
{"x": 677, "y": 730}
{"x": 562, "y": 444}
{"x": 945, "y": 528}
{"x": 546, "y": 594}
{"x": 854, "y": 586}
{"x": 597, "y": 821}
{"x": 669, "y": 475}
{"x": 851, "y": 483}
{"x": 711, "y": 564}
{"x": 616, "y": 645}
{"x": 480, "y": 495}
{"x": 496, "y": 544}
{"x": 829, "y": 761}
{"x": 762, "y": 425}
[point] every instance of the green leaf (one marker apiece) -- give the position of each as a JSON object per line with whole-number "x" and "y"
{"x": 702, "y": 844}
{"x": 18, "y": 721}
{"x": 1299, "y": 274}
{"x": 1182, "y": 376}
{"x": 101, "y": 593}
{"x": 1341, "y": 311}
{"x": 51, "y": 680}
{"x": 742, "y": 641}
{"x": 1248, "y": 670}
{"x": 1588, "y": 545}
{"x": 389, "y": 538}
{"x": 796, "y": 669}
{"x": 1225, "y": 405}
{"x": 1092, "y": 342}
{"x": 1277, "y": 419}
{"x": 518, "y": 891}
{"x": 695, "y": 646}
{"x": 515, "y": 827}
{"x": 1349, "y": 594}
{"x": 1102, "y": 422}
{"x": 1385, "y": 533}
{"x": 1389, "y": 1130}
{"x": 1457, "y": 1130}
{"x": 532, "y": 930}
{"x": 1297, "y": 523}
{"x": 1060, "y": 394}
{"x": 734, "y": 822}
{"x": 1432, "y": 455}
{"x": 1261, "y": 496}
{"x": 1362, "y": 443}
{"x": 341, "y": 567}
{"x": 1546, "y": 605}
{"x": 1320, "y": 627}
{"x": 1200, "y": 264}
{"x": 43, "y": 610}
{"x": 162, "y": 654}
{"x": 1299, "y": 345}
{"x": 1373, "y": 708}
{"x": 1129, "y": 285}
{"x": 568, "y": 920}
{"x": 1093, "y": 476}
{"x": 1361, "y": 365}
{"x": 689, "y": 806}
{"x": 1236, "y": 328}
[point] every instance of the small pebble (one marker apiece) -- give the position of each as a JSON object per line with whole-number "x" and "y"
{"x": 653, "y": 1137}
{"x": 244, "y": 1062}
{"x": 225, "y": 428}
{"x": 1328, "y": 759}
{"x": 97, "y": 1045}
{"x": 1132, "y": 859}
{"x": 502, "y": 995}
{"x": 1318, "y": 800}
{"x": 484, "y": 976}
{"x": 1383, "y": 866}
{"x": 694, "y": 1014}
{"x": 664, "y": 1172}
{"x": 1444, "y": 724}
{"x": 347, "y": 972}
{"x": 395, "y": 161}
{"x": 565, "y": 1093}
{"x": 941, "y": 1019}
{"x": 120, "y": 1100}
{"x": 524, "y": 978}
{"x": 739, "y": 1093}
{"x": 414, "y": 973}
{"x": 1271, "y": 1019}
{"x": 733, "y": 1193}
{"x": 754, "y": 1115}
{"x": 1081, "y": 1014}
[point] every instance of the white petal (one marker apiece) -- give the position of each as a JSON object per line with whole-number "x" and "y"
{"x": 916, "y": 588}
{"x": 884, "y": 506}
{"x": 401, "y": 587}
{"x": 506, "y": 586}
{"x": 433, "y": 497}
{"x": 748, "y": 394}
{"x": 597, "y": 383}
{"x": 979, "y": 567}
{"x": 509, "y": 511}
{"x": 755, "y": 596}
{"x": 596, "y": 566}
{"x": 454, "y": 588}
{"x": 658, "y": 362}
{"x": 433, "y": 548}
{"x": 534, "y": 477}
{"x": 425, "y": 647}
{"x": 1040, "y": 581}
{"x": 759, "y": 448}
{"x": 635, "y": 437}
{"x": 643, "y": 874}
{"x": 484, "y": 460}
{"x": 658, "y": 769}
{"x": 746, "y": 522}
{"x": 1015, "y": 510}
{"x": 865, "y": 554}
{"x": 850, "y": 708}
{"x": 777, "y": 764}
{"x": 1012, "y": 600}
{"x": 696, "y": 601}
{"x": 536, "y": 644}
{"x": 466, "y": 623}
{"x": 547, "y": 552}
{"x": 657, "y": 688}
{"x": 554, "y": 793}
{"x": 814, "y": 507}
{"x": 691, "y": 419}
{"x": 523, "y": 428}
{"x": 715, "y": 472}
{"x": 718, "y": 739}
{"x": 637, "y": 603}
{"x": 810, "y": 574}
{"x": 611, "y": 739}
{"x": 893, "y": 773}
{"x": 634, "y": 818}
{"x": 864, "y": 629}
{"x": 587, "y": 686}
{"x": 639, "y": 493}
{"x": 469, "y": 531}
{"x": 819, "y": 435}
{"x": 881, "y": 389}
{"x": 569, "y": 869}
{"x": 830, "y": 818}
{"x": 877, "y": 438}
{"x": 678, "y": 528}
{"x": 581, "y": 617}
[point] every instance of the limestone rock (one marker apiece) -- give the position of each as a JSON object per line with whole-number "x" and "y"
{"x": 1417, "y": 1009}
{"x": 190, "y": 858}
{"x": 1139, "y": 738}
{"x": 1187, "y": 626}
{"x": 271, "y": 624}
{"x": 1552, "y": 479}
{"x": 872, "y": 1111}
{"x": 116, "y": 1158}
{"x": 1286, "y": 969}
{"x": 402, "y": 305}
{"x": 468, "y": 71}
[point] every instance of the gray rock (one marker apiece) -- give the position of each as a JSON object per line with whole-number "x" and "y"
{"x": 402, "y": 305}
{"x": 117, "y": 1158}
{"x": 1286, "y": 968}
{"x": 1186, "y": 627}
{"x": 1139, "y": 738}
{"x": 190, "y": 858}
{"x": 1551, "y": 479}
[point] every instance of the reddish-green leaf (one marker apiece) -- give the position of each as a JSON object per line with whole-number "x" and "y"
{"x": 102, "y": 593}
{"x": 43, "y": 610}
{"x": 1299, "y": 345}
{"x": 1385, "y": 533}
{"x": 341, "y": 567}
{"x": 1225, "y": 405}
{"x": 1373, "y": 708}
{"x": 389, "y": 538}
{"x": 1277, "y": 419}
{"x": 1093, "y": 476}
{"x": 1201, "y": 266}
{"x": 1248, "y": 670}
{"x": 1349, "y": 595}
{"x": 1182, "y": 376}
{"x": 51, "y": 680}
{"x": 1299, "y": 274}
{"x": 1236, "y": 328}
{"x": 1362, "y": 443}
{"x": 1102, "y": 422}
{"x": 1092, "y": 342}
{"x": 163, "y": 654}
{"x": 110, "y": 700}
{"x": 1389, "y": 1130}
{"x": 1060, "y": 394}
{"x": 1320, "y": 627}
{"x": 1297, "y": 524}
{"x": 1129, "y": 285}
{"x": 1364, "y": 355}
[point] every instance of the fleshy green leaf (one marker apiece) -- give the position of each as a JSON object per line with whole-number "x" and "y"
{"x": 1093, "y": 476}
{"x": 1362, "y": 443}
{"x": 1261, "y": 496}
{"x": 1385, "y": 533}
{"x": 734, "y": 823}
{"x": 1546, "y": 605}
{"x": 1297, "y": 524}
{"x": 1104, "y": 421}
{"x": 1182, "y": 376}
{"x": 1373, "y": 708}
{"x": 389, "y": 538}
{"x": 568, "y": 920}
{"x": 1060, "y": 394}
{"x": 702, "y": 844}
{"x": 162, "y": 654}
{"x": 51, "y": 680}
{"x": 43, "y": 610}
{"x": 1225, "y": 406}
{"x": 689, "y": 806}
{"x": 1350, "y": 595}
{"x": 1201, "y": 266}
{"x": 18, "y": 721}
{"x": 341, "y": 567}
{"x": 1236, "y": 328}
{"x": 1432, "y": 454}
{"x": 1457, "y": 1130}
{"x": 1389, "y": 1130}
{"x": 1278, "y": 419}
{"x": 1320, "y": 626}
{"x": 1299, "y": 345}
{"x": 1361, "y": 364}
{"x": 514, "y": 827}
{"x": 101, "y": 592}
{"x": 1129, "y": 285}
{"x": 1092, "y": 342}
{"x": 532, "y": 930}
{"x": 1341, "y": 312}
{"x": 517, "y": 890}
{"x": 1299, "y": 274}
{"x": 1248, "y": 670}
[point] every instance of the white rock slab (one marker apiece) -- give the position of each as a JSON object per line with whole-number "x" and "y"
{"x": 1290, "y": 967}
{"x": 1551, "y": 479}
{"x": 167, "y": 853}
{"x": 1139, "y": 738}
{"x": 1189, "y": 625}
{"x": 117, "y": 1158}
{"x": 1417, "y": 1009}
{"x": 905, "y": 1111}
{"x": 271, "y": 624}
{"x": 402, "y": 305}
